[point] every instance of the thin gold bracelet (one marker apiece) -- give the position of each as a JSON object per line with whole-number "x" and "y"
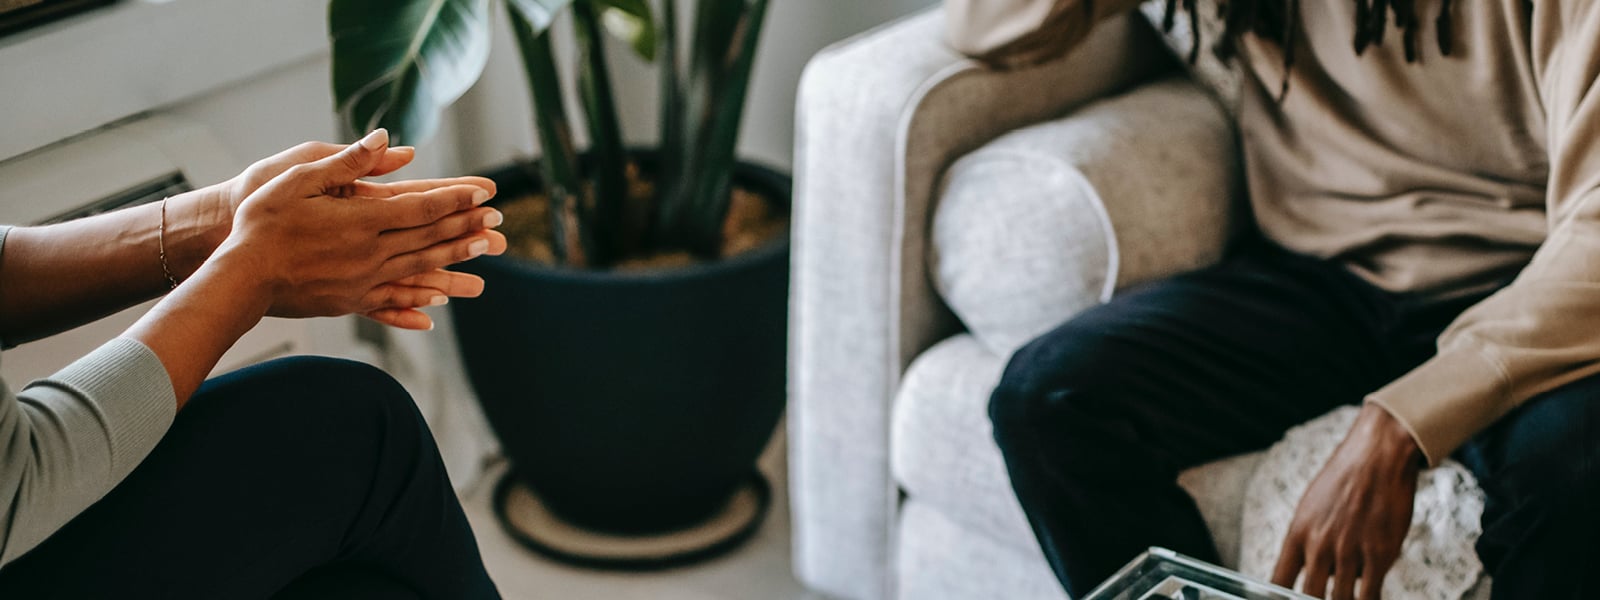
{"x": 161, "y": 239}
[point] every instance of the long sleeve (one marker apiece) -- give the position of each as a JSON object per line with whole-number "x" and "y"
{"x": 1018, "y": 33}
{"x": 66, "y": 440}
{"x": 1543, "y": 330}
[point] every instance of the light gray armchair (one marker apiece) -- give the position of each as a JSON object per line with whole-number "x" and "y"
{"x": 945, "y": 214}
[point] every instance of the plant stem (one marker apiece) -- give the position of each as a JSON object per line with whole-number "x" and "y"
{"x": 609, "y": 157}
{"x": 714, "y": 22}
{"x": 558, "y": 165}
{"x": 669, "y": 170}
{"x": 712, "y": 188}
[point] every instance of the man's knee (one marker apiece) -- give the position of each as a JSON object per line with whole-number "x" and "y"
{"x": 1548, "y": 460}
{"x": 1046, "y": 385}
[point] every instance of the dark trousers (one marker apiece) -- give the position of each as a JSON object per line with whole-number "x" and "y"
{"x": 298, "y": 478}
{"x": 1097, "y": 417}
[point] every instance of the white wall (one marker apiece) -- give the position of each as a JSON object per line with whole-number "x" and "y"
{"x": 495, "y": 120}
{"x": 795, "y": 30}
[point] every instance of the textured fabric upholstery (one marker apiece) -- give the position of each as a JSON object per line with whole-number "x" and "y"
{"x": 897, "y": 488}
{"x": 1048, "y": 220}
{"x": 944, "y": 456}
{"x": 879, "y": 118}
{"x": 939, "y": 558}
{"x": 963, "y": 535}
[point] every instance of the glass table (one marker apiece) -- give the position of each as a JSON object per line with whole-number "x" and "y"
{"x": 1161, "y": 574}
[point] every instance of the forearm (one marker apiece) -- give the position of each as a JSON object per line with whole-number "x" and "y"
{"x": 192, "y": 327}
{"x": 56, "y": 277}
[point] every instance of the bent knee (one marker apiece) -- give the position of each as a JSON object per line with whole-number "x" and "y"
{"x": 295, "y": 389}
{"x": 333, "y": 374}
{"x": 1047, "y": 383}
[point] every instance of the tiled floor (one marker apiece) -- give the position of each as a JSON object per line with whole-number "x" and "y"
{"x": 759, "y": 570}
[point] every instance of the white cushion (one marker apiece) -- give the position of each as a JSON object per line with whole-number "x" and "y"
{"x": 1050, "y": 219}
{"x": 942, "y": 559}
{"x": 943, "y": 453}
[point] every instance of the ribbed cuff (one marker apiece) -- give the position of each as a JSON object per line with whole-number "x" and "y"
{"x": 1447, "y": 400}
{"x": 130, "y": 387}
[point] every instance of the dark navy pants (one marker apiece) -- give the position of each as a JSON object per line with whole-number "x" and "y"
{"x": 298, "y": 478}
{"x": 1096, "y": 418}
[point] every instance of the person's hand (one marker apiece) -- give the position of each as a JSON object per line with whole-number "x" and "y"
{"x": 1354, "y": 516}
{"x": 317, "y": 249}
{"x": 210, "y": 209}
{"x": 227, "y": 196}
{"x": 213, "y": 207}
{"x": 234, "y": 191}
{"x": 449, "y": 283}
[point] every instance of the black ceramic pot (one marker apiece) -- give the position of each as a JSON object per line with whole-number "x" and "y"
{"x": 631, "y": 402}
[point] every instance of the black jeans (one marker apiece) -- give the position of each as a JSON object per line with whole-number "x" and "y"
{"x": 298, "y": 478}
{"x": 1097, "y": 417}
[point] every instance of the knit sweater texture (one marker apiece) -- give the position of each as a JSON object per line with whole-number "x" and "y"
{"x": 67, "y": 440}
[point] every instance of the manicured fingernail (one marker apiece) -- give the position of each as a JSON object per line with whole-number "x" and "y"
{"x": 480, "y": 196}
{"x": 376, "y": 140}
{"x": 438, "y": 301}
{"x": 478, "y": 248}
{"x": 493, "y": 219}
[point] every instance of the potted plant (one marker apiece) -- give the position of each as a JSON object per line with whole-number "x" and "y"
{"x": 631, "y": 360}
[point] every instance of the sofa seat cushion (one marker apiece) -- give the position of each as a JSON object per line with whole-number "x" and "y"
{"x": 1051, "y": 219}
{"x": 940, "y": 558}
{"x": 943, "y": 455}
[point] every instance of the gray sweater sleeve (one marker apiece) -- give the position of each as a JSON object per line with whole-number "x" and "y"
{"x": 68, "y": 439}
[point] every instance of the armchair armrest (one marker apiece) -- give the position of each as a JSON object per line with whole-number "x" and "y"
{"x": 879, "y": 118}
{"x": 1052, "y": 218}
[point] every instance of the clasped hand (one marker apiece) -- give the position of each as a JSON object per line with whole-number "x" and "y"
{"x": 320, "y": 241}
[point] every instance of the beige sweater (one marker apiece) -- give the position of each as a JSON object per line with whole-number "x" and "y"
{"x": 1439, "y": 177}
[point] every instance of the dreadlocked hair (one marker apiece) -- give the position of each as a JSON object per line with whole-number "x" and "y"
{"x": 1278, "y": 21}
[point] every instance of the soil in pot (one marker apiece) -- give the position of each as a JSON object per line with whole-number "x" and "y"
{"x": 752, "y": 222}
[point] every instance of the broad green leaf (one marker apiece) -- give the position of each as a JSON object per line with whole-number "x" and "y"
{"x": 540, "y": 14}
{"x": 398, "y": 63}
{"x": 631, "y": 22}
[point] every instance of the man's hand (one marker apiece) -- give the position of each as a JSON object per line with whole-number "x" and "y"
{"x": 1355, "y": 514}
